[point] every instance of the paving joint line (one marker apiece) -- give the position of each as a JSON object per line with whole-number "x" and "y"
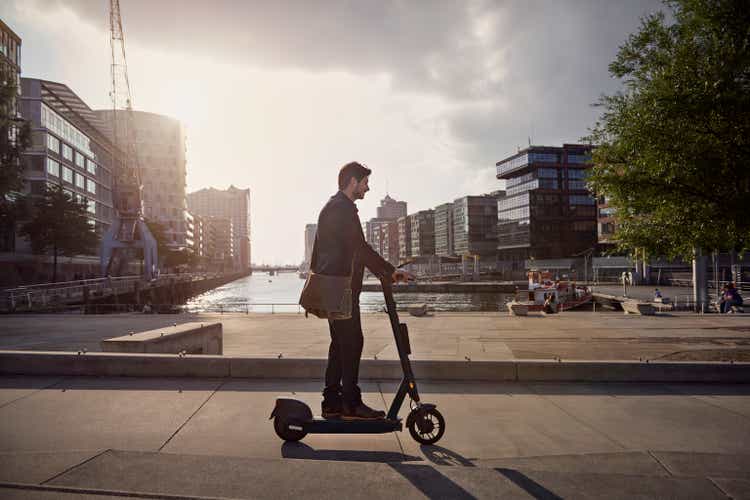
{"x": 74, "y": 467}
{"x": 663, "y": 466}
{"x": 95, "y": 491}
{"x": 223, "y": 382}
{"x": 716, "y": 485}
{"x": 707, "y": 402}
{"x": 398, "y": 438}
{"x": 576, "y": 418}
{"x": 61, "y": 380}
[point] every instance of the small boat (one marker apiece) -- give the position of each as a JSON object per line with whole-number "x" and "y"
{"x": 561, "y": 295}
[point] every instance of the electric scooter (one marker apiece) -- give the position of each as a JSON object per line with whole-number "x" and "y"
{"x": 293, "y": 419}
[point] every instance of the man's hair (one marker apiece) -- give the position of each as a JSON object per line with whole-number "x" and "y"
{"x": 353, "y": 169}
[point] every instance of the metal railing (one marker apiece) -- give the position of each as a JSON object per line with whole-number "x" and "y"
{"x": 48, "y": 295}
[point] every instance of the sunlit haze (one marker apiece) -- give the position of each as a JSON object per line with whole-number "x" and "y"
{"x": 277, "y": 96}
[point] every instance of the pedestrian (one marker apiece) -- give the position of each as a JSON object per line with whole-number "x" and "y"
{"x": 340, "y": 255}
{"x": 731, "y": 298}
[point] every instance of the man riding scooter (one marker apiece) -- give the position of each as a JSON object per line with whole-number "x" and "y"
{"x": 340, "y": 254}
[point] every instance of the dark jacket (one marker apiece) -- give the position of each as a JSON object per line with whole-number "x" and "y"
{"x": 340, "y": 248}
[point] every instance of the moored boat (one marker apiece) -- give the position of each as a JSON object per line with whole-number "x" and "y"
{"x": 547, "y": 295}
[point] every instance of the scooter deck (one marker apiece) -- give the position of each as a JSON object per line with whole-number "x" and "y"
{"x": 319, "y": 425}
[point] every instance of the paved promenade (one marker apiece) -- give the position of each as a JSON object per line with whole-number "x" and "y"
{"x": 108, "y": 437}
{"x": 444, "y": 336}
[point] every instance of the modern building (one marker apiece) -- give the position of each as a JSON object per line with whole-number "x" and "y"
{"x": 389, "y": 242}
{"x": 422, "y": 233}
{"x": 199, "y": 236}
{"x": 232, "y": 203}
{"x": 219, "y": 242}
{"x": 547, "y": 211}
{"x": 69, "y": 148}
{"x": 475, "y": 225}
{"x": 310, "y": 231}
{"x": 444, "y": 230}
{"x": 372, "y": 232}
{"x": 404, "y": 238}
{"x": 160, "y": 155}
{"x": 391, "y": 209}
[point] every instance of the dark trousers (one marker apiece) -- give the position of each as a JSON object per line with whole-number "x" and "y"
{"x": 342, "y": 373}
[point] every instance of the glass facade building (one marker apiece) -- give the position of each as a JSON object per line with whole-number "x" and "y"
{"x": 69, "y": 148}
{"x": 548, "y": 211}
{"x": 444, "y": 230}
{"x": 475, "y": 225}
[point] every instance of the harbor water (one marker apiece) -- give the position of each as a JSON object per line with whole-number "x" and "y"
{"x": 280, "y": 293}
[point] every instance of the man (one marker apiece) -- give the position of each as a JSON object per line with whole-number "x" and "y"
{"x": 340, "y": 249}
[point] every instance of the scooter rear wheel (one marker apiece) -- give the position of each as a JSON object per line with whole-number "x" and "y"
{"x": 281, "y": 426}
{"x": 426, "y": 426}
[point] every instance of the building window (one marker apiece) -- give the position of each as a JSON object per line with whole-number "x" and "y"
{"x": 579, "y": 158}
{"x": 543, "y": 158}
{"x": 80, "y": 160}
{"x": 54, "y": 122}
{"x": 53, "y": 168}
{"x": 90, "y": 186}
{"x": 576, "y": 199}
{"x": 80, "y": 181}
{"x": 577, "y": 173}
{"x": 576, "y": 184}
{"x": 91, "y": 166}
{"x": 53, "y": 143}
{"x": 67, "y": 152}
{"x": 91, "y": 207}
{"x": 67, "y": 174}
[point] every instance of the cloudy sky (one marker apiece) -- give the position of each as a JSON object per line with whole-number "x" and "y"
{"x": 277, "y": 95}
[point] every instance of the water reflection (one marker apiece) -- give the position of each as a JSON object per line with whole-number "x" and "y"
{"x": 280, "y": 293}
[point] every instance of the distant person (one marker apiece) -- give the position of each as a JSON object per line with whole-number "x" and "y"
{"x": 550, "y": 305}
{"x": 657, "y": 294}
{"x": 340, "y": 249}
{"x": 730, "y": 298}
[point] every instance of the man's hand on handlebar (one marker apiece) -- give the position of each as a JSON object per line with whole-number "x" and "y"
{"x": 399, "y": 275}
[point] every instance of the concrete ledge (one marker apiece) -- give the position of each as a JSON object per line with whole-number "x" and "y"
{"x": 194, "y": 338}
{"x": 111, "y": 364}
{"x": 632, "y": 371}
{"x": 165, "y": 365}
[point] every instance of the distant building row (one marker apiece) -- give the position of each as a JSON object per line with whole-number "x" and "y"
{"x": 545, "y": 212}
{"x": 73, "y": 146}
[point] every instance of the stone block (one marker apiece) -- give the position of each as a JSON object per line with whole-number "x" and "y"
{"x": 193, "y": 338}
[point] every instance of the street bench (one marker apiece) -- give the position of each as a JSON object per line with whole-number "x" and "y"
{"x": 190, "y": 338}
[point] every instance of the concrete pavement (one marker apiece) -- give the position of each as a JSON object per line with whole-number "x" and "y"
{"x": 80, "y": 437}
{"x": 441, "y": 336}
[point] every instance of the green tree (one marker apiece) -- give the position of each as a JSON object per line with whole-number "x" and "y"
{"x": 15, "y": 138}
{"x": 673, "y": 153}
{"x": 59, "y": 224}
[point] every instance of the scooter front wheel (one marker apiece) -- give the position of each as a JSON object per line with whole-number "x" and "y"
{"x": 426, "y": 425}
{"x": 281, "y": 426}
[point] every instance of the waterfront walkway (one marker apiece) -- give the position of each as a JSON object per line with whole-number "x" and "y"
{"x": 77, "y": 437}
{"x": 443, "y": 336}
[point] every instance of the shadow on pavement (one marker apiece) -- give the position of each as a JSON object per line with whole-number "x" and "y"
{"x": 528, "y": 485}
{"x": 430, "y": 481}
{"x": 301, "y": 450}
{"x": 443, "y": 456}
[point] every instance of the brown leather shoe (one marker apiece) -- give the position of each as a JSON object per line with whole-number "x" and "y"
{"x": 361, "y": 412}
{"x": 330, "y": 410}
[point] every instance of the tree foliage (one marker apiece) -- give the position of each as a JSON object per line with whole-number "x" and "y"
{"x": 59, "y": 224}
{"x": 15, "y": 137}
{"x": 673, "y": 154}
